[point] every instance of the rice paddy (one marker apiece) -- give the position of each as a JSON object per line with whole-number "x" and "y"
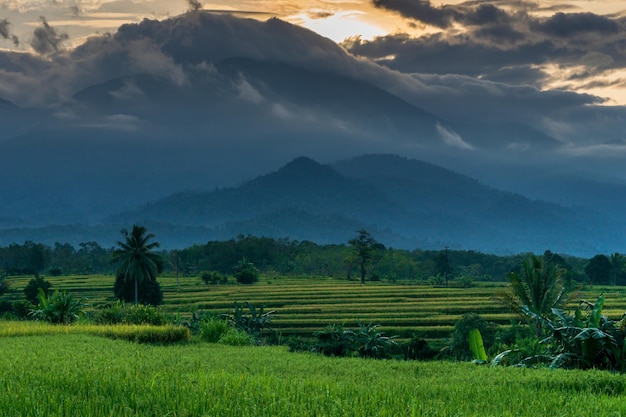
{"x": 305, "y": 305}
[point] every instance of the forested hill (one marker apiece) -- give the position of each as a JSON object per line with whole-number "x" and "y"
{"x": 405, "y": 203}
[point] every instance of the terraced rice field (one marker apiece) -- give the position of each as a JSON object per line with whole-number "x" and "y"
{"x": 304, "y": 305}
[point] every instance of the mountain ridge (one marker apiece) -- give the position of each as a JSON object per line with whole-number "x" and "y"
{"x": 440, "y": 206}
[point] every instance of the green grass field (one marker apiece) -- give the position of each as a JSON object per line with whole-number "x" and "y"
{"x": 304, "y": 305}
{"x": 81, "y": 375}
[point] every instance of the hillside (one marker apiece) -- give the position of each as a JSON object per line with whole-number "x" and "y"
{"x": 405, "y": 203}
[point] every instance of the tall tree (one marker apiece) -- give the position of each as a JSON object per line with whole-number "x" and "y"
{"x": 135, "y": 258}
{"x": 598, "y": 269}
{"x": 365, "y": 248}
{"x": 618, "y": 268}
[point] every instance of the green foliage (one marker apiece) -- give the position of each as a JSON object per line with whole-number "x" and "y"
{"x": 334, "y": 340}
{"x": 366, "y": 249}
{"x": 235, "y": 337}
{"x": 58, "y": 308}
{"x": 365, "y": 341}
{"x": 459, "y": 347}
{"x": 245, "y": 272}
{"x": 255, "y": 321}
{"x": 22, "y": 309}
{"x": 585, "y": 340}
{"x": 598, "y": 270}
{"x": 371, "y": 343}
{"x": 4, "y": 285}
{"x": 149, "y": 291}
{"x": 31, "y": 291}
{"x": 146, "y": 333}
{"x": 476, "y": 346}
{"x": 137, "y": 263}
{"x": 121, "y": 313}
{"x": 144, "y": 314}
{"x": 55, "y": 271}
{"x": 213, "y": 278}
{"x": 416, "y": 349}
{"x": 213, "y": 329}
{"x": 538, "y": 287}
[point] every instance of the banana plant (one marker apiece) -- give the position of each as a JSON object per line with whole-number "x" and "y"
{"x": 58, "y": 308}
{"x": 587, "y": 339}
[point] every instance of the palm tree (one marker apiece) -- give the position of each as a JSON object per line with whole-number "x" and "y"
{"x": 538, "y": 287}
{"x": 135, "y": 257}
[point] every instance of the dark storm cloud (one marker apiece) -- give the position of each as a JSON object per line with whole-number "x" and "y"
{"x": 5, "y": 32}
{"x": 423, "y": 11}
{"x": 46, "y": 39}
{"x": 565, "y": 25}
{"x": 490, "y": 42}
{"x": 194, "y": 5}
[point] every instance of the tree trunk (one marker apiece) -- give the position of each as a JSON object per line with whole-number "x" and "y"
{"x": 136, "y": 292}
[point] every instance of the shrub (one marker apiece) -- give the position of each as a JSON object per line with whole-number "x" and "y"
{"x": 22, "y": 308}
{"x": 212, "y": 330}
{"x": 120, "y": 313}
{"x": 112, "y": 314}
{"x": 370, "y": 342}
{"x": 334, "y": 340}
{"x": 144, "y": 314}
{"x": 234, "y": 337}
{"x": 417, "y": 349}
{"x": 213, "y": 278}
{"x": 58, "y": 308}
{"x": 246, "y": 272}
{"x": 253, "y": 322}
{"x": 55, "y": 271}
{"x": 459, "y": 346}
{"x": 31, "y": 291}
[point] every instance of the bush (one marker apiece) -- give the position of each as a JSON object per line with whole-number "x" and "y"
{"x": 55, "y": 271}
{"x": 22, "y": 308}
{"x": 459, "y": 340}
{"x": 31, "y": 291}
{"x": 58, "y": 308}
{"x": 120, "y": 313}
{"x": 212, "y": 330}
{"x": 253, "y": 323}
{"x": 213, "y": 278}
{"x": 417, "y": 349}
{"x": 112, "y": 314}
{"x": 143, "y": 314}
{"x": 246, "y": 272}
{"x": 334, "y": 340}
{"x": 234, "y": 337}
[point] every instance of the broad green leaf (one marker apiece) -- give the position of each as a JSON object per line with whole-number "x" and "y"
{"x": 476, "y": 345}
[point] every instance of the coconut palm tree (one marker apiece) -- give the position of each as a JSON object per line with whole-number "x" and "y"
{"x": 538, "y": 286}
{"x": 135, "y": 257}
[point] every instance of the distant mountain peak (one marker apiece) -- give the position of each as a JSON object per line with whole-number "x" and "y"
{"x": 302, "y": 164}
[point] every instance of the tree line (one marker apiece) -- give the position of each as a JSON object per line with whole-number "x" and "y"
{"x": 291, "y": 257}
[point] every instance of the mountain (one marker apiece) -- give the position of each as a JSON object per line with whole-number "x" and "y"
{"x": 403, "y": 202}
{"x": 165, "y": 111}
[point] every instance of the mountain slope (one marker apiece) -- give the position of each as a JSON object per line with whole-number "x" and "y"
{"x": 410, "y": 203}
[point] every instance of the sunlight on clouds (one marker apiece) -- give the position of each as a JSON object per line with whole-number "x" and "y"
{"x": 338, "y": 26}
{"x": 608, "y": 84}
